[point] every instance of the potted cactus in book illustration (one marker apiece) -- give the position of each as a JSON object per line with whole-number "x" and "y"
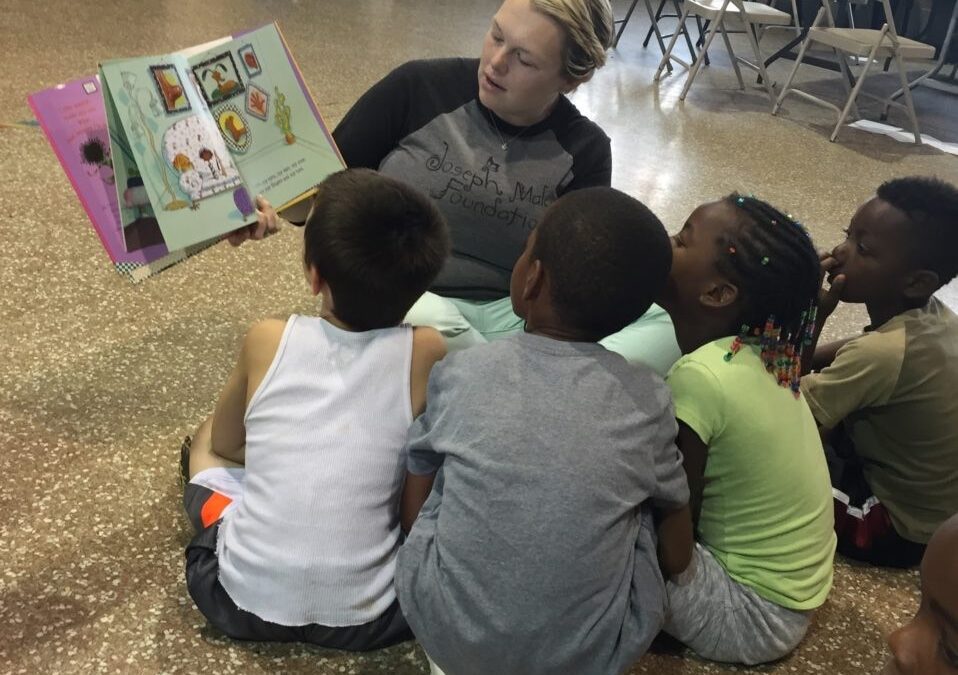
{"x": 282, "y": 116}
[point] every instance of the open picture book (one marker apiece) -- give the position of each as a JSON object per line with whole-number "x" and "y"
{"x": 167, "y": 153}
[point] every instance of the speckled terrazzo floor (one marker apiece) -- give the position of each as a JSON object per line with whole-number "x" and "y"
{"x": 99, "y": 379}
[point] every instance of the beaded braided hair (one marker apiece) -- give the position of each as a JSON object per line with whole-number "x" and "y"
{"x": 771, "y": 257}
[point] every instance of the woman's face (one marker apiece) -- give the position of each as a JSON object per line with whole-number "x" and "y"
{"x": 521, "y": 70}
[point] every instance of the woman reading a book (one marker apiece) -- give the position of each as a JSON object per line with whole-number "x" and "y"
{"x": 493, "y": 141}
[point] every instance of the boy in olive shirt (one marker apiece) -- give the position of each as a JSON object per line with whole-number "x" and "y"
{"x": 886, "y": 399}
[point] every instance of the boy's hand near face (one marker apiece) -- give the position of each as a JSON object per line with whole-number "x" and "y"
{"x": 828, "y": 297}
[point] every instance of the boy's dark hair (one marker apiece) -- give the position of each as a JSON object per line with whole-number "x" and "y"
{"x": 931, "y": 205}
{"x": 377, "y": 242}
{"x": 772, "y": 259}
{"x": 608, "y": 257}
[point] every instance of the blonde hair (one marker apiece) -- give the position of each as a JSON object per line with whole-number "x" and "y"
{"x": 588, "y": 26}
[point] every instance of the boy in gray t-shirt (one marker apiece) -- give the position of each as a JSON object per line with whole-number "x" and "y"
{"x": 535, "y": 550}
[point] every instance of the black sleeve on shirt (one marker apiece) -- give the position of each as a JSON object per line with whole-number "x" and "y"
{"x": 592, "y": 166}
{"x": 589, "y": 146}
{"x": 376, "y": 123}
{"x": 399, "y": 104}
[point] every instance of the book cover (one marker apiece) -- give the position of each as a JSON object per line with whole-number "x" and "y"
{"x": 73, "y": 118}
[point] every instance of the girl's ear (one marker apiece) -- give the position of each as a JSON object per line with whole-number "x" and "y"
{"x": 720, "y": 294}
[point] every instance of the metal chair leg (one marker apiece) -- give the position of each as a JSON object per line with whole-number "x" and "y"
{"x": 798, "y": 63}
{"x": 857, "y": 88}
{"x": 909, "y": 102}
{"x": 657, "y": 32}
{"x": 701, "y": 40}
{"x": 759, "y": 61}
{"x": 623, "y": 23}
{"x": 668, "y": 50}
{"x": 655, "y": 21}
{"x": 693, "y": 71}
{"x": 688, "y": 39}
{"x": 848, "y": 79}
{"x": 731, "y": 55}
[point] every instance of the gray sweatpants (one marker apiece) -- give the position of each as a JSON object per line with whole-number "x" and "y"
{"x": 723, "y": 620}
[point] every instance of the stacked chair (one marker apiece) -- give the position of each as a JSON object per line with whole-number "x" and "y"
{"x": 723, "y": 16}
{"x": 867, "y": 45}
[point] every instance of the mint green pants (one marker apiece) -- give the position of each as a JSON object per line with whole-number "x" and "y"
{"x": 465, "y": 323}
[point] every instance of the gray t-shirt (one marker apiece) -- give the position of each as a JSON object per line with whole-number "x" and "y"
{"x": 535, "y": 550}
{"x": 424, "y": 124}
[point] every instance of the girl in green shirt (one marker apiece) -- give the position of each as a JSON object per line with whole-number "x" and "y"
{"x": 742, "y": 295}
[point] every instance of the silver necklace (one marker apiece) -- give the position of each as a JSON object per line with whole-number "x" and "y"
{"x": 504, "y": 144}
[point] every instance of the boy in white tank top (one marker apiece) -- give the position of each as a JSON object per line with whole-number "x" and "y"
{"x": 295, "y": 481}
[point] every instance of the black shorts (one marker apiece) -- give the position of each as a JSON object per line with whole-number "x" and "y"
{"x": 202, "y": 581}
{"x": 862, "y": 523}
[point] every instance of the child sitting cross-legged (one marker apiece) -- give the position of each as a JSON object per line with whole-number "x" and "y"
{"x": 536, "y": 551}
{"x": 742, "y": 296}
{"x": 886, "y": 399}
{"x": 295, "y": 480}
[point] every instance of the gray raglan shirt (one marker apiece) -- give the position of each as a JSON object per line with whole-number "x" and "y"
{"x": 424, "y": 124}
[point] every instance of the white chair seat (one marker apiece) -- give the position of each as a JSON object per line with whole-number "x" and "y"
{"x": 861, "y": 41}
{"x": 755, "y": 12}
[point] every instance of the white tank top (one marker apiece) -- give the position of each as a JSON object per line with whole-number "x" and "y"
{"x": 315, "y": 537}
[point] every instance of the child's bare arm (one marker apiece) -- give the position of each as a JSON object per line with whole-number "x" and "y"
{"x": 428, "y": 347}
{"x": 256, "y": 355}
{"x": 694, "y": 455}
{"x": 676, "y": 540}
{"x": 415, "y": 491}
{"x": 229, "y": 432}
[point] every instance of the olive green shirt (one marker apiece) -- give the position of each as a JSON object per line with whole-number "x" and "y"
{"x": 896, "y": 390}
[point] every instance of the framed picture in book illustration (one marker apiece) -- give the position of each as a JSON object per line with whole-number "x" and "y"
{"x": 170, "y": 88}
{"x": 257, "y": 102}
{"x": 249, "y": 60}
{"x": 218, "y": 78}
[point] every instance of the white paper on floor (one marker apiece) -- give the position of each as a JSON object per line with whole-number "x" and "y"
{"x": 904, "y": 136}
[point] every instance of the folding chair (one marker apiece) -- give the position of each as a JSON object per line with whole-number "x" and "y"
{"x": 868, "y": 44}
{"x": 745, "y": 15}
{"x": 622, "y": 23}
{"x": 654, "y": 27}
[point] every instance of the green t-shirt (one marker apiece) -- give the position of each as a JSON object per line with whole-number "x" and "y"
{"x": 767, "y": 513}
{"x": 894, "y": 389}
